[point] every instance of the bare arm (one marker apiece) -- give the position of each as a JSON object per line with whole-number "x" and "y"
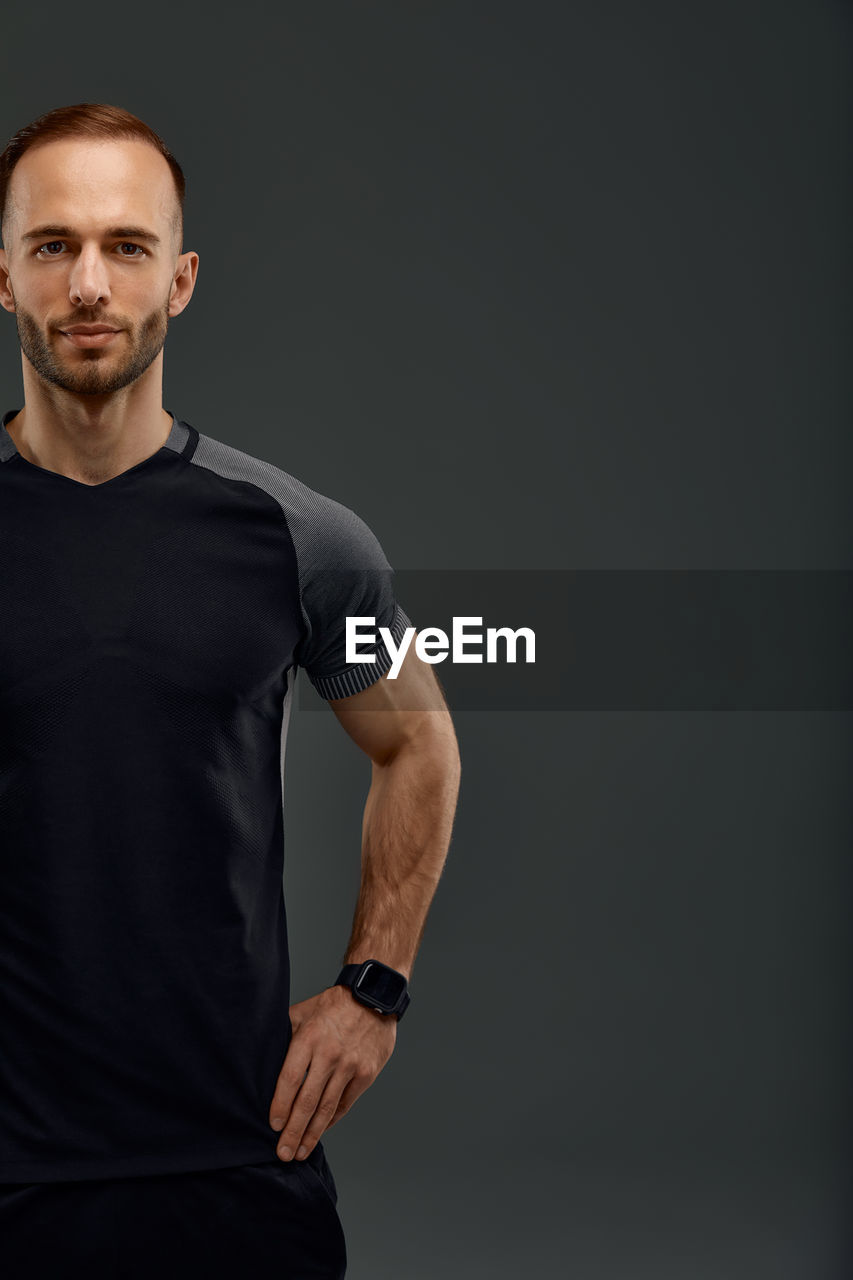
{"x": 338, "y": 1046}
{"x": 408, "y": 815}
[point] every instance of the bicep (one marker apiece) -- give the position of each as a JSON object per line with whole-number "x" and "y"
{"x": 394, "y": 713}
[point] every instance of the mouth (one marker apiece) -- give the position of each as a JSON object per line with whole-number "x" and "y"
{"x": 90, "y": 335}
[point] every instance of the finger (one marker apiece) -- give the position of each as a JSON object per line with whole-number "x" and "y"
{"x": 297, "y": 1062}
{"x": 351, "y": 1092}
{"x": 322, "y": 1117}
{"x": 302, "y": 1111}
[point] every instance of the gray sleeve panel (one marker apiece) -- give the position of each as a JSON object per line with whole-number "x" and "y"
{"x": 343, "y": 571}
{"x": 360, "y": 675}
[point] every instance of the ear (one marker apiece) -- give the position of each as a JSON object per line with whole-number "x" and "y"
{"x": 183, "y": 282}
{"x": 7, "y": 298}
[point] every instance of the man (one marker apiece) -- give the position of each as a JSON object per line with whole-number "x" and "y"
{"x": 158, "y": 1106}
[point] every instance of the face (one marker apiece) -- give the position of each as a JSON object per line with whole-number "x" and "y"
{"x": 91, "y": 267}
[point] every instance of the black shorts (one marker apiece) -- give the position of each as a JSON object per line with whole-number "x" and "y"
{"x": 256, "y": 1220}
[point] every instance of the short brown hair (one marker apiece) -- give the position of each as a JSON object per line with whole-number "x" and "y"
{"x": 85, "y": 119}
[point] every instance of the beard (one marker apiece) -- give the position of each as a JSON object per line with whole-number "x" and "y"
{"x": 98, "y": 373}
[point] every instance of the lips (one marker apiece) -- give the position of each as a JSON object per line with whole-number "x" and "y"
{"x": 90, "y": 328}
{"x": 89, "y": 335}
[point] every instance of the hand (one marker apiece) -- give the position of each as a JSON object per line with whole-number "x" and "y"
{"x": 336, "y": 1051}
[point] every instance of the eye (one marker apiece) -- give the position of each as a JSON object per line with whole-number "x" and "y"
{"x": 45, "y": 249}
{"x": 136, "y": 251}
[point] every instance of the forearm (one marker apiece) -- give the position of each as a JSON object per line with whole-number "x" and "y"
{"x": 408, "y": 818}
{"x": 338, "y": 1046}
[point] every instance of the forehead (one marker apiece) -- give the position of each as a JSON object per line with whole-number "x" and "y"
{"x": 92, "y": 180}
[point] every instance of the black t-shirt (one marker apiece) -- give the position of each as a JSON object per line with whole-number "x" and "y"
{"x": 151, "y": 630}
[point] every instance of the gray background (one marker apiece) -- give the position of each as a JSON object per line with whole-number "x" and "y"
{"x": 546, "y": 286}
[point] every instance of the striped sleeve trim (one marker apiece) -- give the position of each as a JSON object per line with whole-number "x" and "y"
{"x": 361, "y": 675}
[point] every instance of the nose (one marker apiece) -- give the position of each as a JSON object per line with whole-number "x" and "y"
{"x": 89, "y": 283}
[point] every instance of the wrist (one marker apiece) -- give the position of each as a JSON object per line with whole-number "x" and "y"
{"x": 380, "y": 954}
{"x": 375, "y": 984}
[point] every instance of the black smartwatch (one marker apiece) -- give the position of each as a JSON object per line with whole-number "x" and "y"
{"x": 374, "y": 984}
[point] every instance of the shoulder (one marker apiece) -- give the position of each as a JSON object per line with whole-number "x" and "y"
{"x": 324, "y": 531}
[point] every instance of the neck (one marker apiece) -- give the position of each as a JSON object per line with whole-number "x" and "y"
{"x": 90, "y": 438}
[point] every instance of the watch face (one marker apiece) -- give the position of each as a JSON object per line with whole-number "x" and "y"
{"x": 382, "y": 984}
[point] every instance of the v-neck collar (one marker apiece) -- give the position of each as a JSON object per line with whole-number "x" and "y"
{"x": 175, "y": 440}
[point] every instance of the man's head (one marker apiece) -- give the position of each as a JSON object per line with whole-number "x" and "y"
{"x": 91, "y": 212}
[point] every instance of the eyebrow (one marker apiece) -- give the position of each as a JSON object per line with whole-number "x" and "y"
{"x": 112, "y": 233}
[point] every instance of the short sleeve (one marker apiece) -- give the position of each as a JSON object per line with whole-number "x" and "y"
{"x": 343, "y": 573}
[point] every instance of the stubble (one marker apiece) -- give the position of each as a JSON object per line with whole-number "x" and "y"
{"x": 97, "y": 373}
